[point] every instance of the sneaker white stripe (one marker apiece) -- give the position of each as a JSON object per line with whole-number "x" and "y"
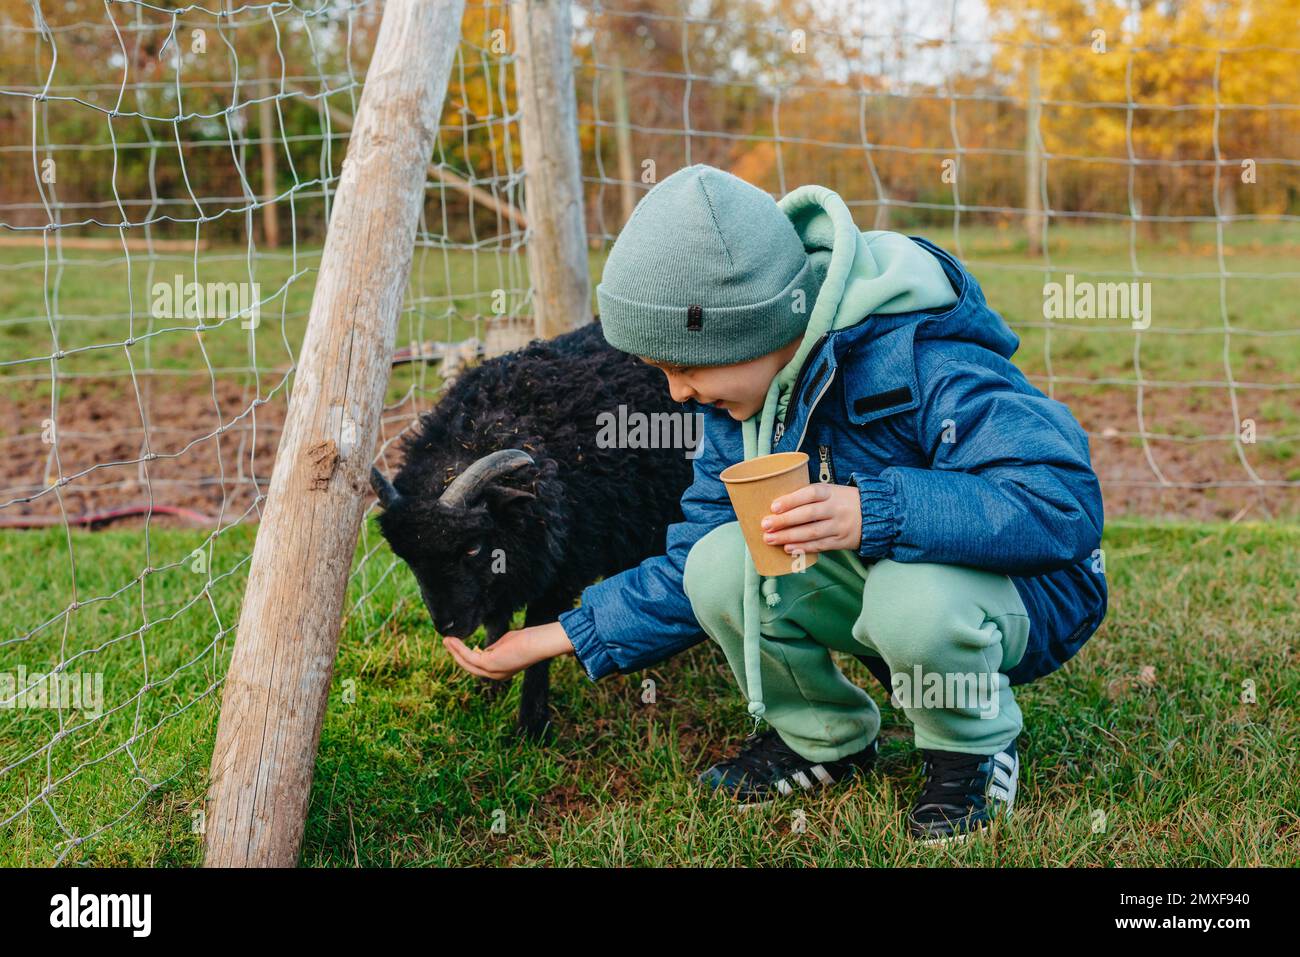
{"x": 821, "y": 774}
{"x": 1002, "y": 785}
{"x": 802, "y": 780}
{"x": 783, "y": 786}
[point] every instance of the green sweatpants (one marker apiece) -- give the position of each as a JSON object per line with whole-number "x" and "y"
{"x": 947, "y": 632}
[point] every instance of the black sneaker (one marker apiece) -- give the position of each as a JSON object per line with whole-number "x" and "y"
{"x": 963, "y": 793}
{"x": 766, "y": 768}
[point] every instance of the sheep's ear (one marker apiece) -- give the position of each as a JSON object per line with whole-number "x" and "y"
{"x": 499, "y": 495}
{"x": 388, "y": 496}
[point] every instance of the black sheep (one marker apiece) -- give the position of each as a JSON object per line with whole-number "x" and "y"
{"x": 505, "y": 499}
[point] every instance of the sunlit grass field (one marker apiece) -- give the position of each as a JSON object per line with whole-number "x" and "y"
{"x": 101, "y": 303}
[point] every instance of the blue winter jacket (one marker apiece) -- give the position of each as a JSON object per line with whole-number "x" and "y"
{"x": 871, "y": 406}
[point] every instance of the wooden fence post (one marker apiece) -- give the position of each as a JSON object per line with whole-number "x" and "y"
{"x": 557, "y": 246}
{"x": 627, "y": 165}
{"x": 1033, "y": 159}
{"x": 275, "y": 694}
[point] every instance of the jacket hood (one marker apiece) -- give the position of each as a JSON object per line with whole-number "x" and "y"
{"x": 863, "y": 274}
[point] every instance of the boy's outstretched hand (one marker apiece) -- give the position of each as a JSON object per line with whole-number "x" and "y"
{"x": 512, "y": 652}
{"x": 821, "y": 517}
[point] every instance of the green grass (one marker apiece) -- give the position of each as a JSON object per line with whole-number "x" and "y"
{"x": 99, "y": 303}
{"x": 106, "y": 302}
{"x": 418, "y": 766}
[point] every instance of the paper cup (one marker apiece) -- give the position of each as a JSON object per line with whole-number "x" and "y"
{"x": 753, "y": 486}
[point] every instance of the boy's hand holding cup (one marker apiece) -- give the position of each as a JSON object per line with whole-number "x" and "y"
{"x": 782, "y": 514}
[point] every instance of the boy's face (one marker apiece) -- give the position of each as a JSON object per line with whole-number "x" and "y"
{"x": 740, "y": 388}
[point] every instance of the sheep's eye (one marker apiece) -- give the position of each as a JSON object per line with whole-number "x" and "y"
{"x": 470, "y": 553}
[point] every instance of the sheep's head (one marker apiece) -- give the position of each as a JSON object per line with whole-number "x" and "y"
{"x": 458, "y": 544}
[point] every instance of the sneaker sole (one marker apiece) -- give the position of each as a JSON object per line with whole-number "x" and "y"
{"x": 960, "y": 836}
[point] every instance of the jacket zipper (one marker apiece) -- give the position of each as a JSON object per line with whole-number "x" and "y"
{"x": 824, "y": 453}
{"x": 779, "y": 429}
{"x": 812, "y": 407}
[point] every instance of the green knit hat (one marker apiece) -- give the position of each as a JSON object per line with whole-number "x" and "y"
{"x": 708, "y": 271}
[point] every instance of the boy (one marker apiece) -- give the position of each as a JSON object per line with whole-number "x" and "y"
{"x": 956, "y": 516}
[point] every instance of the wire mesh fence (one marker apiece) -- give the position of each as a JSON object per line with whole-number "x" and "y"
{"x": 1087, "y": 162}
{"x": 168, "y": 174}
{"x": 1124, "y": 186}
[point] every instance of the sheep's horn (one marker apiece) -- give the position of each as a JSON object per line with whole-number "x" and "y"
{"x": 469, "y": 483}
{"x": 388, "y": 496}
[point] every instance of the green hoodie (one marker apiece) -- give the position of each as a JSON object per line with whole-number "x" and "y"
{"x": 864, "y": 273}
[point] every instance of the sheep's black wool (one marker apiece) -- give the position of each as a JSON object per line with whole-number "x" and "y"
{"x": 531, "y": 534}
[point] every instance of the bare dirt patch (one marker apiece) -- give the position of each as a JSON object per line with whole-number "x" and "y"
{"x": 1189, "y": 465}
{"x": 186, "y": 454}
{"x": 213, "y": 449}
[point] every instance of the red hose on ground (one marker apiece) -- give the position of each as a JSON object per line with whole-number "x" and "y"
{"x": 108, "y": 515}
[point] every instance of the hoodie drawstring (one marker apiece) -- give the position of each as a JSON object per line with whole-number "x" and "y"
{"x": 753, "y": 671}
{"x": 755, "y": 584}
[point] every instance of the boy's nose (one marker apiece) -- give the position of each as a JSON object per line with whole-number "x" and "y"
{"x": 679, "y": 391}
